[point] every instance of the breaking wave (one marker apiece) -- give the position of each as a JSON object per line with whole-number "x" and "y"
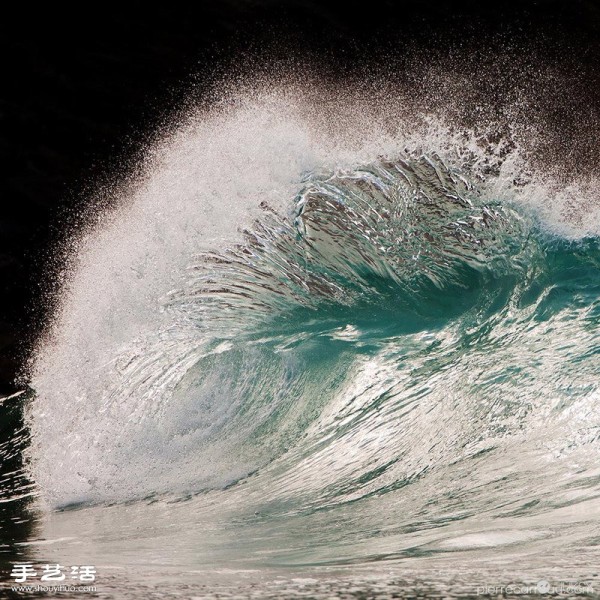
{"x": 303, "y": 323}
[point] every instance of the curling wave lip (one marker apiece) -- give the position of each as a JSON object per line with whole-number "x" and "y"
{"x": 389, "y": 358}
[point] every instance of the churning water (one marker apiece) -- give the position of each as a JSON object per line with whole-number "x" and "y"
{"x": 305, "y": 359}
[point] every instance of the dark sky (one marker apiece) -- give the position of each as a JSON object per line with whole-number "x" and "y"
{"x": 80, "y": 90}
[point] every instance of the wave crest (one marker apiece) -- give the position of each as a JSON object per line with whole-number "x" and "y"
{"x": 381, "y": 327}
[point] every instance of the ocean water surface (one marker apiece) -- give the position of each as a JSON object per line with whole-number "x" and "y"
{"x": 294, "y": 360}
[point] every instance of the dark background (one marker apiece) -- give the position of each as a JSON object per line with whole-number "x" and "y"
{"x": 82, "y": 88}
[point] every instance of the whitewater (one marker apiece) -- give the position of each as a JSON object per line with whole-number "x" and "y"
{"x": 303, "y": 340}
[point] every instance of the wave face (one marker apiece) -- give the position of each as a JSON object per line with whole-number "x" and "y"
{"x": 306, "y": 327}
